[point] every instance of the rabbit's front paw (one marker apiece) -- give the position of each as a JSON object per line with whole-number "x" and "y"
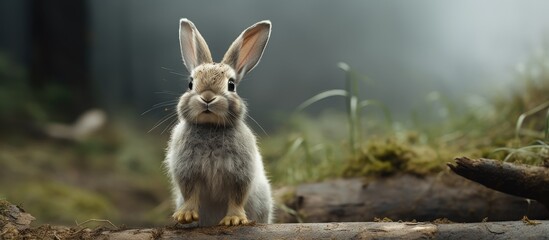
{"x": 234, "y": 220}
{"x": 185, "y": 215}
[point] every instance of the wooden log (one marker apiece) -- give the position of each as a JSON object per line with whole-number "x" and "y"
{"x": 15, "y": 224}
{"x": 404, "y": 197}
{"x": 359, "y": 230}
{"x": 520, "y": 180}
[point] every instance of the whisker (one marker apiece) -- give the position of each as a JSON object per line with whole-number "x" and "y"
{"x": 179, "y": 74}
{"x": 223, "y": 140}
{"x": 168, "y": 69}
{"x": 228, "y": 120}
{"x": 231, "y": 120}
{"x": 170, "y": 126}
{"x": 162, "y": 120}
{"x": 169, "y": 101}
{"x": 168, "y": 92}
{"x": 262, "y": 129}
{"x": 158, "y": 106}
{"x": 173, "y": 71}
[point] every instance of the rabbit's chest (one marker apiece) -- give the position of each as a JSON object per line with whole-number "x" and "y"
{"x": 212, "y": 146}
{"x": 214, "y": 155}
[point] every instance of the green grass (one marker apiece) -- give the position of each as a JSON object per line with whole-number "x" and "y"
{"x": 310, "y": 154}
{"x": 318, "y": 149}
{"x": 353, "y": 105}
{"x": 533, "y": 154}
{"x": 520, "y": 121}
{"x": 312, "y": 150}
{"x": 531, "y": 104}
{"x": 537, "y": 152}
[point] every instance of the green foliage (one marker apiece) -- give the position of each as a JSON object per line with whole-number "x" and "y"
{"x": 536, "y": 153}
{"x": 314, "y": 150}
{"x": 353, "y": 105}
{"x": 59, "y": 202}
{"x": 537, "y": 109}
{"x": 531, "y": 104}
{"x": 313, "y": 153}
{"x": 529, "y": 99}
{"x": 317, "y": 149}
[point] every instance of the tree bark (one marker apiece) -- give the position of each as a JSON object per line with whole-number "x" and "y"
{"x": 404, "y": 197}
{"x": 520, "y": 180}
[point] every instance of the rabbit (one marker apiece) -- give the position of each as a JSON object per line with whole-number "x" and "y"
{"x": 212, "y": 156}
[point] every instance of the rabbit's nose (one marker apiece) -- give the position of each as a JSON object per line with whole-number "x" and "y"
{"x": 207, "y": 100}
{"x": 207, "y": 96}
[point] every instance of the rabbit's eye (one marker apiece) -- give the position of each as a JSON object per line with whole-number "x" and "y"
{"x": 232, "y": 86}
{"x": 190, "y": 85}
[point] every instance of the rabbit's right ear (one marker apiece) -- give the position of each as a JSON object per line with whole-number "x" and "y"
{"x": 194, "y": 49}
{"x": 245, "y": 52}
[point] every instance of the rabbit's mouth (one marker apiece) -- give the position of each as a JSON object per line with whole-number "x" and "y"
{"x": 213, "y": 112}
{"x": 209, "y": 117}
{"x": 208, "y": 114}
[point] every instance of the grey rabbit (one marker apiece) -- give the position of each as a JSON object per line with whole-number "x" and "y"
{"x": 212, "y": 157}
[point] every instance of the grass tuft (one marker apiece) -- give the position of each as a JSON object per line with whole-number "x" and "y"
{"x": 533, "y": 111}
{"x": 353, "y": 105}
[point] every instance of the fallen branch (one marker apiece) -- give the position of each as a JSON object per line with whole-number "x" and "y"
{"x": 520, "y": 180}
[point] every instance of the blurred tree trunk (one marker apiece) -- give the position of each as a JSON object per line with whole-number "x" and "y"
{"x": 59, "y": 72}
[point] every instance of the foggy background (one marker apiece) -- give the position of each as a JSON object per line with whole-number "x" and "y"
{"x": 407, "y": 48}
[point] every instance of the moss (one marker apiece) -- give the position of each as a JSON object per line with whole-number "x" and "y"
{"x": 61, "y": 203}
{"x": 389, "y": 156}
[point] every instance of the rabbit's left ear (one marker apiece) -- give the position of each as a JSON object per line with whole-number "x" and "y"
{"x": 194, "y": 49}
{"x": 246, "y": 50}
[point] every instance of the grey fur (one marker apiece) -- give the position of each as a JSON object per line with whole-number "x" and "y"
{"x": 223, "y": 162}
{"x": 219, "y": 160}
